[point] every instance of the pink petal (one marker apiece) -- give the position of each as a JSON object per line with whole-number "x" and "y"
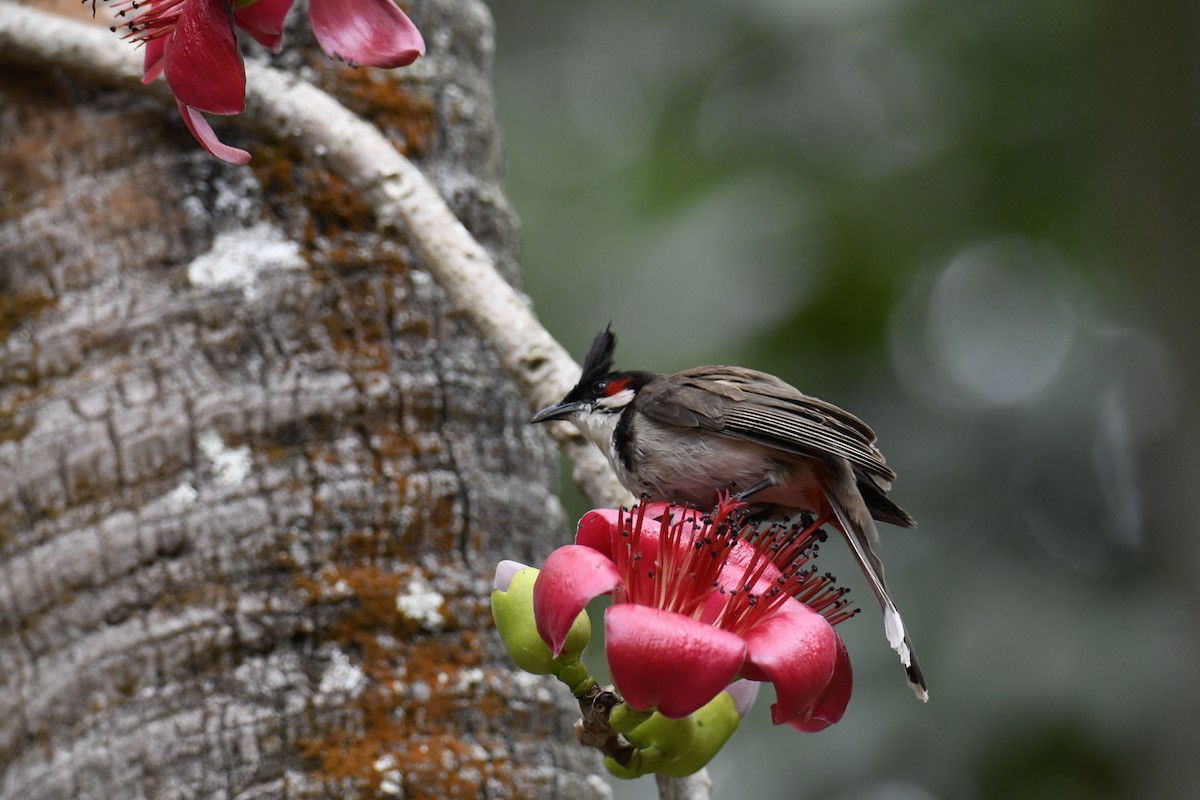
{"x": 797, "y": 651}
{"x": 666, "y": 661}
{"x": 204, "y": 68}
{"x": 372, "y": 32}
{"x": 204, "y": 134}
{"x": 597, "y": 529}
{"x": 831, "y": 705}
{"x": 264, "y": 21}
{"x": 741, "y": 556}
{"x": 569, "y": 579}
{"x": 153, "y": 63}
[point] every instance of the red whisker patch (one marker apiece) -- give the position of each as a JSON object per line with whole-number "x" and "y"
{"x": 616, "y": 386}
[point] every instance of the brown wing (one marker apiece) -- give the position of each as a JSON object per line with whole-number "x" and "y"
{"x": 757, "y": 407}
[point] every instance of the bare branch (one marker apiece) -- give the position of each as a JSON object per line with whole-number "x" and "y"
{"x": 693, "y": 787}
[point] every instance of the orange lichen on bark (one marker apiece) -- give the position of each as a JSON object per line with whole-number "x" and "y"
{"x": 438, "y": 765}
{"x": 406, "y": 119}
{"x": 287, "y": 175}
{"x": 21, "y": 307}
{"x": 410, "y": 715}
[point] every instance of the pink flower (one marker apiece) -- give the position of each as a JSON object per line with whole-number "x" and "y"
{"x": 193, "y": 43}
{"x": 699, "y": 600}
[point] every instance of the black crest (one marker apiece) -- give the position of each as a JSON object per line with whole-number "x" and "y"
{"x": 599, "y": 359}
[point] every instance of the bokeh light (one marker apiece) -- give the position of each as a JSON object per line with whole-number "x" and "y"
{"x": 973, "y": 224}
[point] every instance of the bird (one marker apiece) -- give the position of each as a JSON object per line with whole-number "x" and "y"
{"x": 688, "y": 436}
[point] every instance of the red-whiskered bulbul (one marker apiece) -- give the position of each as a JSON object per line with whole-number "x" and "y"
{"x": 688, "y": 436}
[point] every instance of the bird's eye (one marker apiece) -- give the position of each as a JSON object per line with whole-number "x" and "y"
{"x": 600, "y": 387}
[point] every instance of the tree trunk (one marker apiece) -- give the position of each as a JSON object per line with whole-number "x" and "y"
{"x": 255, "y": 470}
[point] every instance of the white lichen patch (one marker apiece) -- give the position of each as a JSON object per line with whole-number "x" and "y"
{"x": 531, "y": 687}
{"x": 239, "y": 258}
{"x": 390, "y": 783}
{"x": 182, "y": 495}
{"x": 391, "y": 778}
{"x": 342, "y": 677}
{"x": 599, "y": 786}
{"x": 469, "y": 678}
{"x": 421, "y": 603}
{"x": 230, "y": 465}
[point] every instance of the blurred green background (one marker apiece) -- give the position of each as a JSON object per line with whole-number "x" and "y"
{"x": 974, "y": 224}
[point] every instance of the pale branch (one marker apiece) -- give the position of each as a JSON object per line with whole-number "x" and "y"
{"x": 697, "y": 786}
{"x": 290, "y": 109}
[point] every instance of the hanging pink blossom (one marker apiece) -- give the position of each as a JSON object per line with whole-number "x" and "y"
{"x": 193, "y": 43}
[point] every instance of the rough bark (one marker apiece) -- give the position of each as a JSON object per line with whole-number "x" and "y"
{"x": 255, "y": 470}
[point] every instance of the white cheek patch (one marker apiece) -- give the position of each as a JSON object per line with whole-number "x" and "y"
{"x": 618, "y": 400}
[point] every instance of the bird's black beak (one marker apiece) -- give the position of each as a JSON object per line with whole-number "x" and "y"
{"x": 557, "y": 411}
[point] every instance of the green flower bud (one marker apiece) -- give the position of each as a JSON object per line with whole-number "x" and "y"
{"x": 676, "y": 747}
{"x": 512, "y": 610}
{"x": 712, "y": 726}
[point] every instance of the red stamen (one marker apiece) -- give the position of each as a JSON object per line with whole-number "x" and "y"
{"x": 145, "y": 20}
{"x": 692, "y": 551}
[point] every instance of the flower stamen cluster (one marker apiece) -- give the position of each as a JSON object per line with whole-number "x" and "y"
{"x": 693, "y": 551}
{"x": 147, "y": 20}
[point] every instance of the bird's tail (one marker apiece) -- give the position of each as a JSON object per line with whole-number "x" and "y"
{"x": 859, "y": 529}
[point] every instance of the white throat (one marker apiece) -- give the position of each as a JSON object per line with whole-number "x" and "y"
{"x": 598, "y": 428}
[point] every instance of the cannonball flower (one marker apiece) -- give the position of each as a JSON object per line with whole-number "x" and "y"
{"x": 699, "y": 600}
{"x": 193, "y": 43}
